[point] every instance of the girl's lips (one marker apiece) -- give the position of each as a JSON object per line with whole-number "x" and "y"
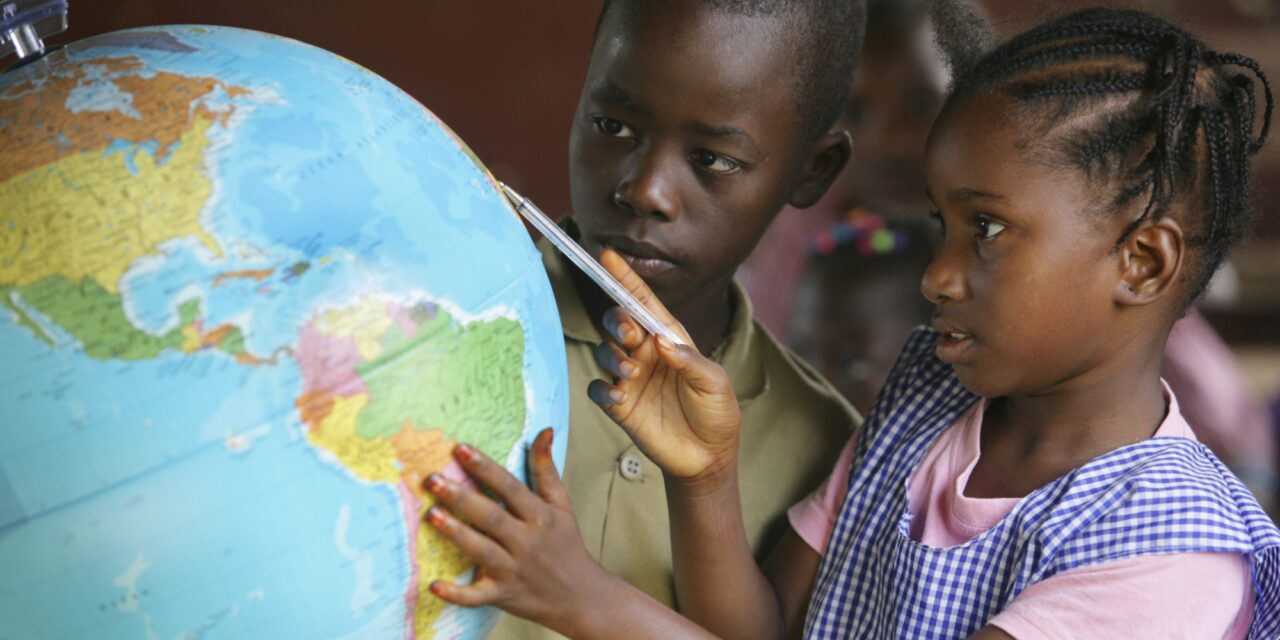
{"x": 952, "y": 346}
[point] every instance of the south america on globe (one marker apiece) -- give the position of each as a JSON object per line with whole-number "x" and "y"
{"x": 251, "y": 295}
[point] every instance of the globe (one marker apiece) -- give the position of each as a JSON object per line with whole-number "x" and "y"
{"x": 252, "y": 295}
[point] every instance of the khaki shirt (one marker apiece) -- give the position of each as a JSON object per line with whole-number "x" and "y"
{"x": 794, "y": 425}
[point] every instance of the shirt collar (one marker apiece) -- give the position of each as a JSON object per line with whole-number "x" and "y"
{"x": 739, "y": 353}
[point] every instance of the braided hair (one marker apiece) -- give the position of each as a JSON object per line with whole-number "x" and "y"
{"x": 1146, "y": 109}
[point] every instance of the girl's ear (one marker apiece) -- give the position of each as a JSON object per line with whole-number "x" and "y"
{"x": 828, "y": 159}
{"x": 1151, "y": 259}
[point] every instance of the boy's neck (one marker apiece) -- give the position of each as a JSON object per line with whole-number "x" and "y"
{"x": 707, "y": 318}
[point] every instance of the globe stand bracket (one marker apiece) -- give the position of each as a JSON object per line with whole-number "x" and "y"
{"x": 24, "y": 24}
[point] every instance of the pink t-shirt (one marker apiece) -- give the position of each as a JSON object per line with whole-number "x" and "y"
{"x": 1185, "y": 595}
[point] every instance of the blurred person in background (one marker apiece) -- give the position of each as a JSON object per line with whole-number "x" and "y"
{"x": 897, "y": 92}
{"x": 859, "y": 300}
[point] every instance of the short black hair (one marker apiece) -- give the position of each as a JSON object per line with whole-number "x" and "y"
{"x": 1144, "y": 108}
{"x": 825, "y": 54}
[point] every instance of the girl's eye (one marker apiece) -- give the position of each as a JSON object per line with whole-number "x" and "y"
{"x": 987, "y": 228}
{"x": 613, "y": 128}
{"x": 714, "y": 162}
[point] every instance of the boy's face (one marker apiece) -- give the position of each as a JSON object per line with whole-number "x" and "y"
{"x": 685, "y": 143}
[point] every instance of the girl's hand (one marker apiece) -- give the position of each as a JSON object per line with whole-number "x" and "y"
{"x": 531, "y": 561}
{"x": 677, "y": 406}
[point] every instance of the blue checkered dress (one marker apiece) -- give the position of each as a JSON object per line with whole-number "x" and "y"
{"x": 1163, "y": 495}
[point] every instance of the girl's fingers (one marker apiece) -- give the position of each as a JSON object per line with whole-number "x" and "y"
{"x": 519, "y": 499}
{"x": 623, "y": 329}
{"x": 480, "y": 548}
{"x": 611, "y": 358}
{"x": 476, "y": 508}
{"x": 636, "y": 285}
{"x": 605, "y": 394}
{"x": 703, "y": 375}
{"x": 615, "y": 265}
{"x": 546, "y": 480}
{"x": 476, "y": 594}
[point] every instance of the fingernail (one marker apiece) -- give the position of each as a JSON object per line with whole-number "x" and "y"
{"x": 617, "y": 396}
{"x": 628, "y": 370}
{"x": 437, "y": 588}
{"x": 466, "y": 453}
{"x": 436, "y": 485}
{"x": 437, "y": 517}
{"x": 666, "y": 343}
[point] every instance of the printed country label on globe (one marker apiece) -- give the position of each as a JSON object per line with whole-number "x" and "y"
{"x": 252, "y": 296}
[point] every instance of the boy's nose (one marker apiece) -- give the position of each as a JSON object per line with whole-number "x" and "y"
{"x": 648, "y": 190}
{"x": 944, "y": 279}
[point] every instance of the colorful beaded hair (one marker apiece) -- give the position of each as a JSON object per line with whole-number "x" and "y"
{"x": 866, "y": 233}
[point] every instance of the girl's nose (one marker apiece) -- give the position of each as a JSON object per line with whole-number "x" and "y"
{"x": 649, "y": 189}
{"x": 944, "y": 280}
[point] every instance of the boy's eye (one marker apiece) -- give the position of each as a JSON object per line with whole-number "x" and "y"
{"x": 987, "y": 228}
{"x": 714, "y": 162}
{"x": 613, "y": 128}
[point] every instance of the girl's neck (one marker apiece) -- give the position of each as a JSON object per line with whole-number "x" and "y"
{"x": 1029, "y": 441}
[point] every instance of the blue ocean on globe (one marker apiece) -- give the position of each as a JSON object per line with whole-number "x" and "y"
{"x": 251, "y": 294}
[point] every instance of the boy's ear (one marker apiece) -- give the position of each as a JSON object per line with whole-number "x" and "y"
{"x": 825, "y": 163}
{"x": 1151, "y": 260}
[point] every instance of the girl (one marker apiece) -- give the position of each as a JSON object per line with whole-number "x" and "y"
{"x": 1024, "y": 473}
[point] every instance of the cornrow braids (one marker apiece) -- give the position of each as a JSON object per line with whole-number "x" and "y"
{"x": 1146, "y": 108}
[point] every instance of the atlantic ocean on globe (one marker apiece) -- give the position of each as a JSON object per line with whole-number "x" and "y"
{"x": 252, "y": 295}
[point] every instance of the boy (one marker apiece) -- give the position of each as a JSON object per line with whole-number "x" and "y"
{"x": 698, "y": 122}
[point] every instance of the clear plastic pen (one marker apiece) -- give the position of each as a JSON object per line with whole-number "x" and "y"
{"x": 580, "y": 257}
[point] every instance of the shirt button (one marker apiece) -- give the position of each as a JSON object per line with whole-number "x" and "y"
{"x": 631, "y": 467}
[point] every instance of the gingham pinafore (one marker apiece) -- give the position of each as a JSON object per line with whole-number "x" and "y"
{"x": 1163, "y": 495}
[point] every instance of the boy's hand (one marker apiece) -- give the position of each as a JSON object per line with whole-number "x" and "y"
{"x": 530, "y": 558}
{"x": 676, "y": 405}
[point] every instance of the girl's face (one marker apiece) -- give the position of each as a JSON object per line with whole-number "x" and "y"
{"x": 1024, "y": 278}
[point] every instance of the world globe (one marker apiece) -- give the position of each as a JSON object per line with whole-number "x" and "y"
{"x": 252, "y": 296}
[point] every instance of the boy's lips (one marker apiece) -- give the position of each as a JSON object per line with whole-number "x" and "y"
{"x": 647, "y": 260}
